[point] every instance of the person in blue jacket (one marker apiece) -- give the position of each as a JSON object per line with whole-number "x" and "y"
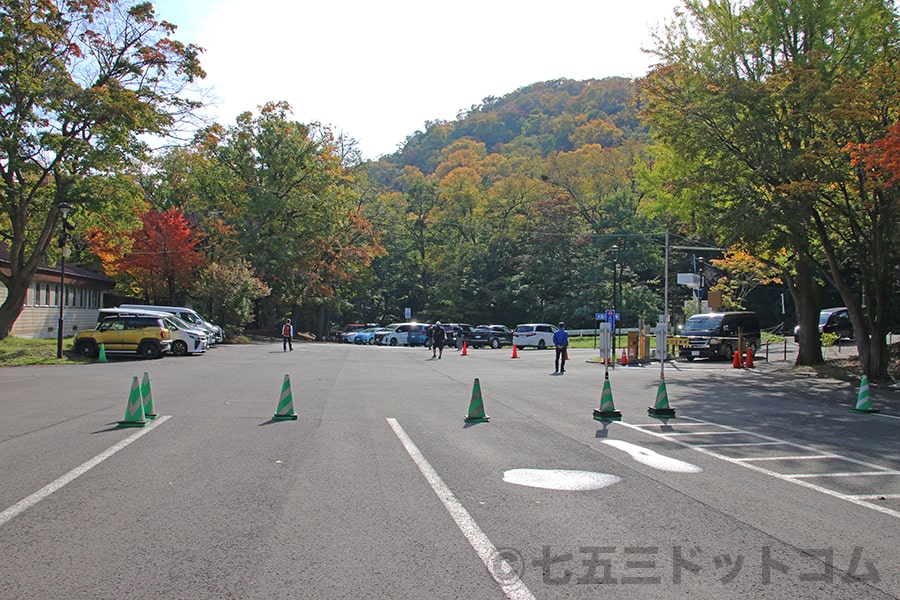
{"x": 561, "y": 341}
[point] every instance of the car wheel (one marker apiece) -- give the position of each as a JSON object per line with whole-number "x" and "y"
{"x": 520, "y": 347}
{"x": 727, "y": 351}
{"x": 541, "y": 345}
{"x": 393, "y": 341}
{"x": 372, "y": 342}
{"x": 179, "y": 348}
{"x": 87, "y": 349}
{"x": 495, "y": 343}
{"x": 149, "y": 350}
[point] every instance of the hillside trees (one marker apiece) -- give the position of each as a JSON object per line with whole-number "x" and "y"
{"x": 757, "y": 103}
{"x": 79, "y": 82}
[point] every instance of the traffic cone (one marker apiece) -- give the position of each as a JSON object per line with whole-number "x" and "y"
{"x": 607, "y": 410}
{"x": 464, "y": 350}
{"x": 147, "y": 395}
{"x": 624, "y": 360}
{"x": 476, "y": 406}
{"x": 661, "y": 410}
{"x": 102, "y": 355}
{"x": 749, "y": 361}
{"x": 285, "y": 410}
{"x": 737, "y": 360}
{"x": 134, "y": 412}
{"x": 514, "y": 354}
{"x": 864, "y": 401}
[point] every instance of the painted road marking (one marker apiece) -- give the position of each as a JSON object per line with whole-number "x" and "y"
{"x": 26, "y": 503}
{"x": 500, "y": 570}
{"x": 653, "y": 459}
{"x": 859, "y": 500}
{"x": 560, "y": 479}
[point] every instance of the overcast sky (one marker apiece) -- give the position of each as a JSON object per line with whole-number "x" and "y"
{"x": 378, "y": 71}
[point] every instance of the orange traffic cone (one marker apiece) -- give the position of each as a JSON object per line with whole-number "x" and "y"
{"x": 514, "y": 354}
{"x": 737, "y": 360}
{"x": 464, "y": 351}
{"x": 749, "y": 361}
{"x": 624, "y": 360}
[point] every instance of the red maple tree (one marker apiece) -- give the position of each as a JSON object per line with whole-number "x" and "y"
{"x": 163, "y": 257}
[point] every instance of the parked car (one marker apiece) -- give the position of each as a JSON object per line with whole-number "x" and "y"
{"x": 539, "y": 335}
{"x": 456, "y": 333}
{"x": 494, "y": 336}
{"x": 394, "y": 334}
{"x": 189, "y": 315}
{"x": 417, "y": 336}
{"x": 832, "y": 320}
{"x": 146, "y": 335}
{"x": 348, "y": 335}
{"x": 366, "y": 336}
{"x": 185, "y": 338}
{"x": 717, "y": 335}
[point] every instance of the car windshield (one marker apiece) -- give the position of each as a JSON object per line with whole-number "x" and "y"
{"x": 702, "y": 323}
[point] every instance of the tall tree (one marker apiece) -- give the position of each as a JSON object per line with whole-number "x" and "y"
{"x": 79, "y": 83}
{"x": 758, "y": 101}
{"x": 163, "y": 259}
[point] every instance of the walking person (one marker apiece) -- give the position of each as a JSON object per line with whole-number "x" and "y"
{"x": 287, "y": 335}
{"x": 561, "y": 341}
{"x": 438, "y": 337}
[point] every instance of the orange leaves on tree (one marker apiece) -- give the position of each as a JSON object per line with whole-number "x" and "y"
{"x": 881, "y": 158}
{"x": 163, "y": 256}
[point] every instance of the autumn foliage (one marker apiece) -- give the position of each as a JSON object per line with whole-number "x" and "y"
{"x": 163, "y": 256}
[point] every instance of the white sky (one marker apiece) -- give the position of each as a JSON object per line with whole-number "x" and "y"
{"x": 378, "y": 71}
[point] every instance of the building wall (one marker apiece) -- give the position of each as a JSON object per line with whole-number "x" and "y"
{"x": 40, "y": 314}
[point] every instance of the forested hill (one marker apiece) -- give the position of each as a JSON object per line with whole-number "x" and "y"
{"x": 536, "y": 120}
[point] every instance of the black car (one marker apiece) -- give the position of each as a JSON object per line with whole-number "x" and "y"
{"x": 494, "y": 336}
{"x": 832, "y": 320}
{"x": 456, "y": 333}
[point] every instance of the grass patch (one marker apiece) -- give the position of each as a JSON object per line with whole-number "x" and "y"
{"x": 17, "y": 352}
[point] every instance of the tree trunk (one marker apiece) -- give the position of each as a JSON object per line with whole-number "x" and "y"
{"x": 805, "y": 292}
{"x": 12, "y": 307}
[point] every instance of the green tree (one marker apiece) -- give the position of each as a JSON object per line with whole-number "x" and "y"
{"x": 79, "y": 83}
{"x": 758, "y": 101}
{"x": 230, "y": 290}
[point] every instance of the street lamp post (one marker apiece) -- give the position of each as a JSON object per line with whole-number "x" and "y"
{"x": 614, "y": 248}
{"x": 64, "y": 208}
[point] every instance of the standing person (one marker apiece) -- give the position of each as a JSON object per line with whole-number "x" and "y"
{"x": 438, "y": 337}
{"x": 561, "y": 341}
{"x": 287, "y": 334}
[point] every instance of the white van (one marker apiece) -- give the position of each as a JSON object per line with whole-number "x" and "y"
{"x": 188, "y": 315}
{"x": 186, "y": 339}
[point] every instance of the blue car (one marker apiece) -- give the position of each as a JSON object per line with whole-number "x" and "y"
{"x": 365, "y": 336}
{"x": 417, "y": 335}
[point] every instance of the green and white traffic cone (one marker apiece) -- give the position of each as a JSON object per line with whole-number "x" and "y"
{"x": 147, "y": 395}
{"x": 607, "y": 411}
{"x": 864, "y": 400}
{"x": 134, "y": 412}
{"x": 285, "y": 410}
{"x": 661, "y": 410}
{"x": 476, "y": 406}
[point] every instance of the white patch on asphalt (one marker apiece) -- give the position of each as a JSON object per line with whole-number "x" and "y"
{"x": 560, "y": 479}
{"x": 654, "y": 459}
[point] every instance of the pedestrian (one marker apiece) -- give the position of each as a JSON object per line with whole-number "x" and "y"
{"x": 438, "y": 337}
{"x": 429, "y": 335}
{"x": 287, "y": 334}
{"x": 561, "y": 341}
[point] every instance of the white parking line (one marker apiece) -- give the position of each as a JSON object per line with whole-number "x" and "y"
{"x": 765, "y": 458}
{"x": 855, "y": 499}
{"x": 843, "y": 474}
{"x": 26, "y": 503}
{"x": 500, "y": 570}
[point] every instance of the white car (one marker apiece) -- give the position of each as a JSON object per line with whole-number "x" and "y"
{"x": 395, "y": 334}
{"x": 539, "y": 335}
